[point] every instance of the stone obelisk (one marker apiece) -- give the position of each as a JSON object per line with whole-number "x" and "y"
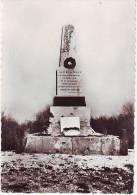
{"x": 68, "y": 74}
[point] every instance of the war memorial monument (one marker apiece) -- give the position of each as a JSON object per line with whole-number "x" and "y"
{"x": 69, "y": 131}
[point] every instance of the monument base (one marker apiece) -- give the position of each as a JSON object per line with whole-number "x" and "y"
{"x": 103, "y": 145}
{"x": 87, "y": 142}
{"x": 58, "y": 112}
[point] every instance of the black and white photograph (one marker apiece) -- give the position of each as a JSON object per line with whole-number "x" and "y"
{"x": 68, "y": 96}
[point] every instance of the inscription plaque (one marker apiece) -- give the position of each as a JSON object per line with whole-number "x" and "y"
{"x": 68, "y": 82}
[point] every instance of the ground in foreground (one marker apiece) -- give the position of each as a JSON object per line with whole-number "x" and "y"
{"x": 66, "y": 173}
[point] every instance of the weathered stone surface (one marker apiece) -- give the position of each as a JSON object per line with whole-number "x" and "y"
{"x": 38, "y": 144}
{"x": 57, "y": 145}
{"x": 82, "y": 112}
{"x": 54, "y": 128}
{"x": 86, "y": 145}
{"x": 31, "y": 143}
{"x": 110, "y": 145}
{"x": 105, "y": 145}
{"x": 68, "y": 44}
{"x": 48, "y": 144}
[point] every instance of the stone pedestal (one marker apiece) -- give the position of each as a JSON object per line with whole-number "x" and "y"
{"x": 103, "y": 145}
{"x": 60, "y": 111}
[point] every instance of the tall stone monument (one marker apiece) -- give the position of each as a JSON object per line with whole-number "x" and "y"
{"x": 69, "y": 131}
{"x": 69, "y": 100}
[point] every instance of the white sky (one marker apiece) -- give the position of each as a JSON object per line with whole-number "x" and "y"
{"x": 105, "y": 31}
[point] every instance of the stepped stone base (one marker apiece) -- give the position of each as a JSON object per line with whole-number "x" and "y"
{"x": 104, "y": 145}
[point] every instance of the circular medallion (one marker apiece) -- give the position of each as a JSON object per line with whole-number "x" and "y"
{"x": 69, "y": 63}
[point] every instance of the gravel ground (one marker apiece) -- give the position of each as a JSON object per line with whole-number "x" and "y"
{"x": 66, "y": 173}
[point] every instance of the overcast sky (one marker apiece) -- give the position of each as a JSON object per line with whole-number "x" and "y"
{"x": 105, "y": 37}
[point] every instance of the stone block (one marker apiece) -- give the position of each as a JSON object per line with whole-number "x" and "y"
{"x": 31, "y": 143}
{"x": 74, "y": 111}
{"x": 60, "y": 111}
{"x": 54, "y": 128}
{"x": 38, "y": 143}
{"x": 86, "y": 145}
{"x": 110, "y": 145}
{"x": 61, "y": 145}
{"x": 49, "y": 144}
{"x": 106, "y": 145}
